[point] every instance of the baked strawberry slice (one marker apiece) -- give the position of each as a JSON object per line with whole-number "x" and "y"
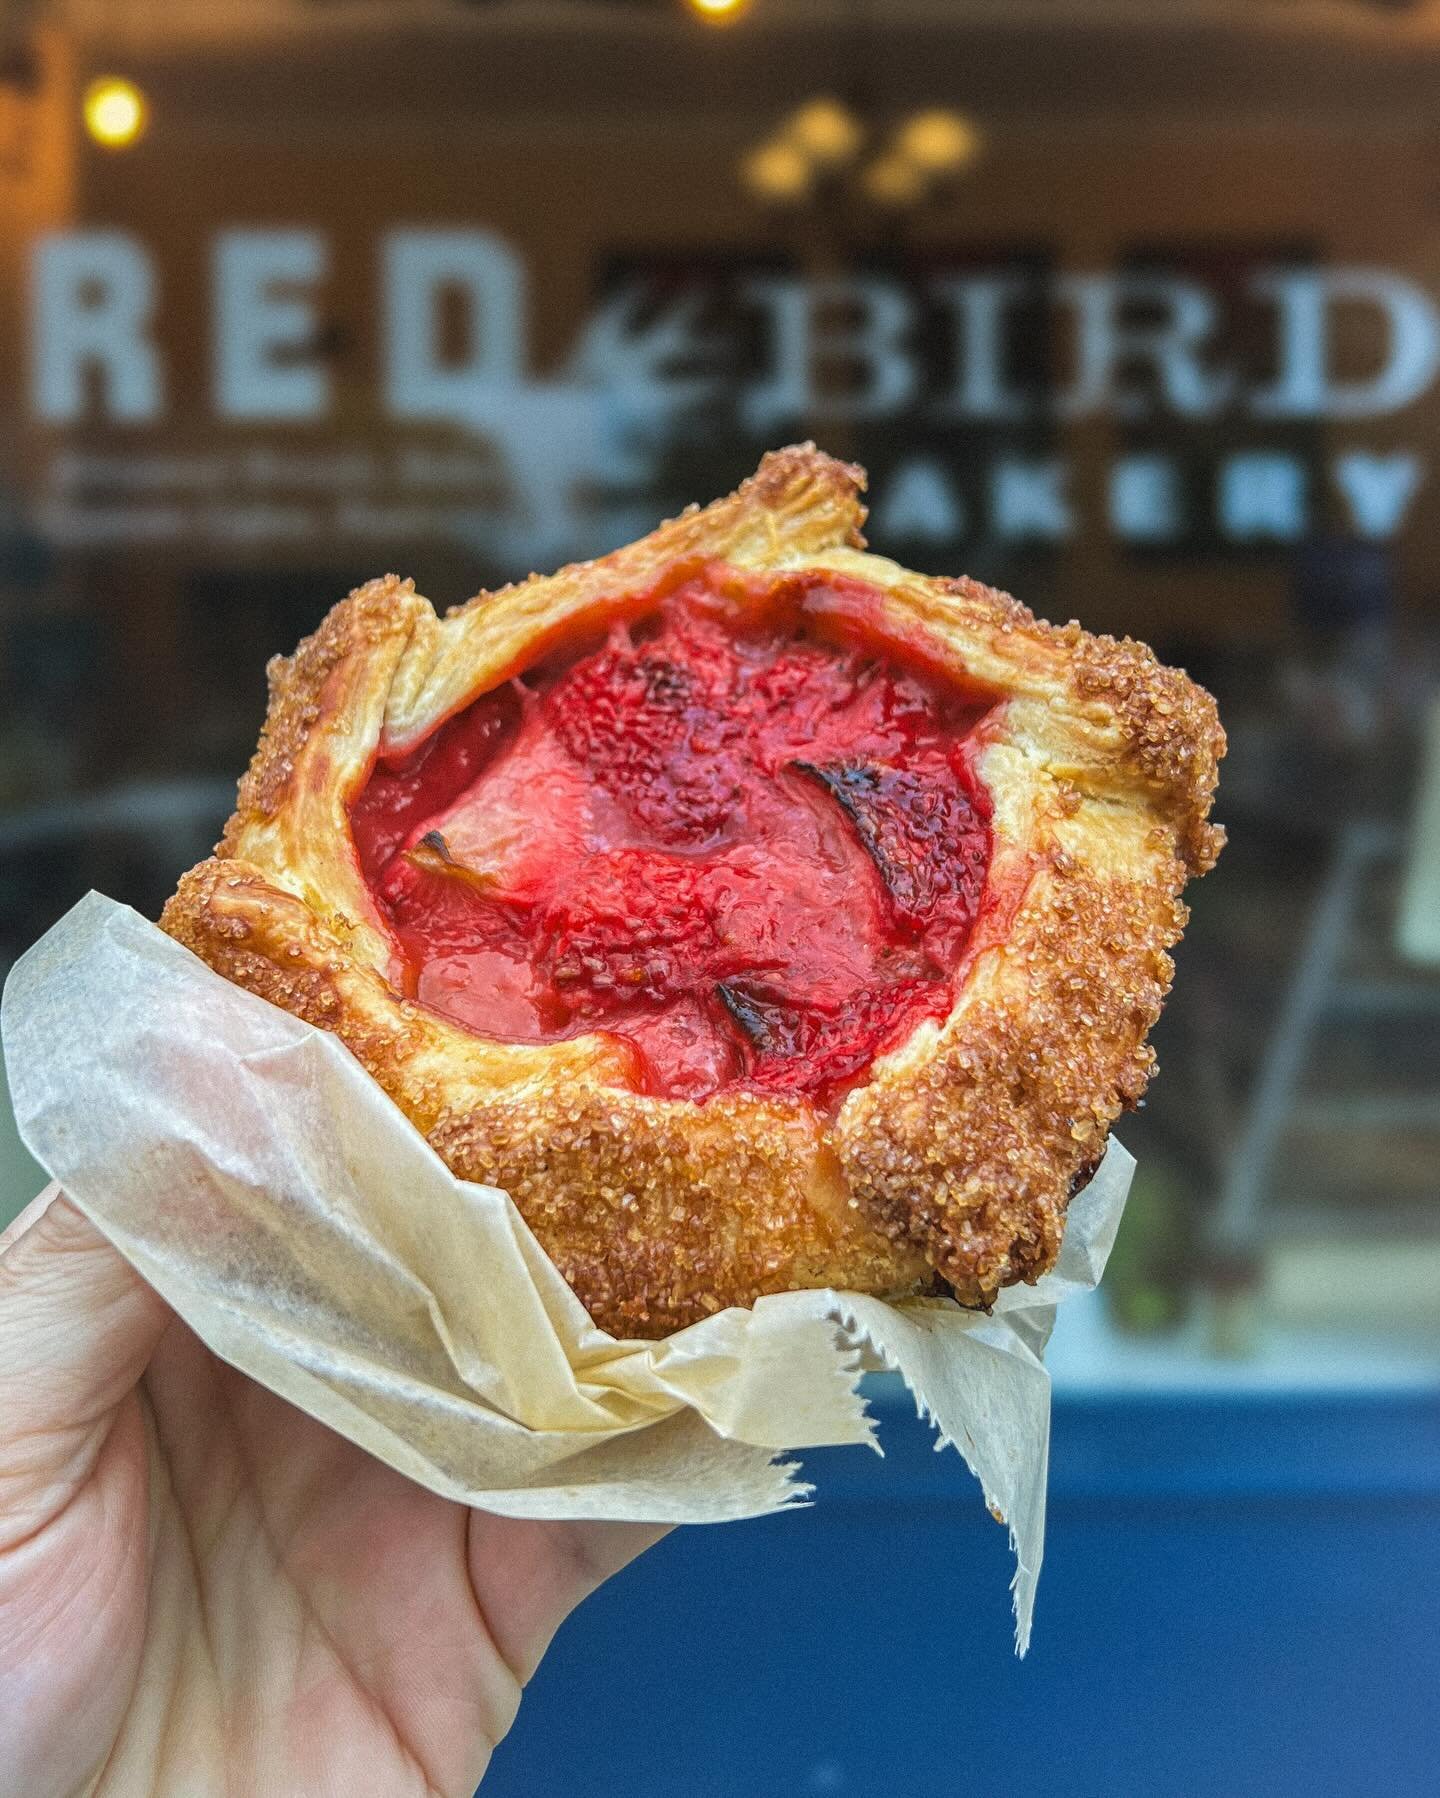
{"x": 926, "y": 827}
{"x": 508, "y": 834}
{"x": 792, "y": 1043}
{"x": 629, "y": 925}
{"x": 403, "y": 793}
{"x": 655, "y": 732}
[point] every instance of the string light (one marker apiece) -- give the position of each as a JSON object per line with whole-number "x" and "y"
{"x": 778, "y": 172}
{"x": 717, "y": 12}
{"x": 115, "y": 111}
{"x": 819, "y": 154}
{"x": 827, "y": 132}
{"x": 940, "y": 143}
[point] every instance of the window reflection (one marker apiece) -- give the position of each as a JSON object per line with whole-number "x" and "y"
{"x": 1165, "y": 357}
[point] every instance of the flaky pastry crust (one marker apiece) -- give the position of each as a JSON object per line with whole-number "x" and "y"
{"x": 957, "y": 1157}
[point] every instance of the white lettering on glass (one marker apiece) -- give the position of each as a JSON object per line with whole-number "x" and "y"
{"x": 262, "y": 320}
{"x": 831, "y": 368}
{"x": 1145, "y": 499}
{"x": 419, "y": 267}
{"x": 1262, "y": 494}
{"x": 1028, "y": 499}
{"x": 1305, "y": 300}
{"x": 1105, "y": 342}
{"x": 1378, "y": 490}
{"x": 92, "y": 294}
{"x": 918, "y": 502}
{"x": 978, "y": 305}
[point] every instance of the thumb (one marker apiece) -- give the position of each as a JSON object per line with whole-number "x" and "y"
{"x": 77, "y": 1328}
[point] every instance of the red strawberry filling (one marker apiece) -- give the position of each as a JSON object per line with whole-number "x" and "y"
{"x": 753, "y": 854}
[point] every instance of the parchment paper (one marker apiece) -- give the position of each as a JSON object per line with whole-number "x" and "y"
{"x": 258, "y": 1177}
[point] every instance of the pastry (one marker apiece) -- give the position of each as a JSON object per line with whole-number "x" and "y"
{"x": 758, "y": 914}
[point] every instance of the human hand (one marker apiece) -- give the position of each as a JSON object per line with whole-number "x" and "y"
{"x": 204, "y": 1591}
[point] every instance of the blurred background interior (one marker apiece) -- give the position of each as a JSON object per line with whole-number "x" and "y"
{"x": 1130, "y": 308}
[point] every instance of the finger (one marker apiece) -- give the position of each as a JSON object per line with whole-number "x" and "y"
{"x": 77, "y": 1327}
{"x": 35, "y": 1210}
{"x": 530, "y": 1574}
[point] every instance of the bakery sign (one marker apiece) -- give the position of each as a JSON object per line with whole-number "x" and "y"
{"x": 1246, "y": 411}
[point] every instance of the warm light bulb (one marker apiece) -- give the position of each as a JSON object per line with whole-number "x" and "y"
{"x": 717, "y": 12}
{"x": 115, "y": 111}
{"x": 777, "y": 172}
{"x": 939, "y": 142}
{"x": 893, "y": 181}
{"x": 826, "y": 131}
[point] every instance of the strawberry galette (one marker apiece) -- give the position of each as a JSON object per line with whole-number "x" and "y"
{"x": 758, "y": 914}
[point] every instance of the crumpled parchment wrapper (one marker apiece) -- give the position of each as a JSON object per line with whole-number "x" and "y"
{"x": 258, "y": 1177}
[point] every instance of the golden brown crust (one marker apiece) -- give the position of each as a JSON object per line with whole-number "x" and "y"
{"x": 972, "y": 1152}
{"x": 1172, "y": 735}
{"x": 659, "y": 1212}
{"x": 960, "y": 1153}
